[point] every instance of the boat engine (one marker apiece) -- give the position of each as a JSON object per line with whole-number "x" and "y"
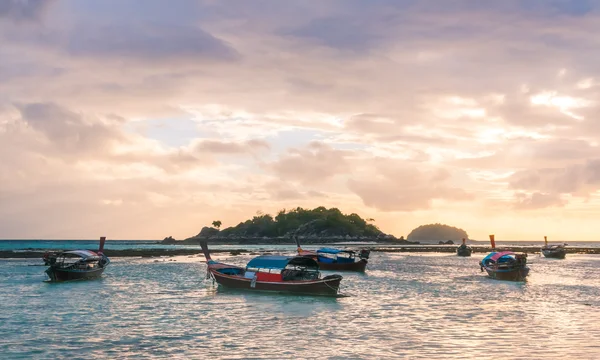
{"x": 49, "y": 258}
{"x": 521, "y": 259}
{"x": 364, "y": 253}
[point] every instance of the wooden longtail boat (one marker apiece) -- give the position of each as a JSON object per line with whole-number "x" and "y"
{"x": 76, "y": 264}
{"x": 504, "y": 265}
{"x": 464, "y": 249}
{"x": 336, "y": 259}
{"x": 553, "y": 251}
{"x": 274, "y": 273}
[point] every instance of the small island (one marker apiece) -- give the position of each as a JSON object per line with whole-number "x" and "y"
{"x": 316, "y": 226}
{"x": 445, "y": 234}
{"x": 312, "y": 226}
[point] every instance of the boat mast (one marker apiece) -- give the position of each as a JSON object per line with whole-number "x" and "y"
{"x": 297, "y": 243}
{"x": 101, "y": 247}
{"x": 205, "y": 251}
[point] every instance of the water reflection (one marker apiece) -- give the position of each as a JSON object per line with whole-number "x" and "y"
{"x": 416, "y": 306}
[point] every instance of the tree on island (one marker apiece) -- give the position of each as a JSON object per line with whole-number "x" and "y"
{"x": 437, "y": 232}
{"x": 217, "y": 223}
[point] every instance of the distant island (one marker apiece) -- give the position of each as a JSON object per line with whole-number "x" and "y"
{"x": 317, "y": 226}
{"x": 436, "y": 232}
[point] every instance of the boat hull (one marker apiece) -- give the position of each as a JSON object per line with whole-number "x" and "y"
{"x": 327, "y": 286}
{"x": 554, "y": 253}
{"x": 518, "y": 274}
{"x": 463, "y": 251}
{"x": 56, "y": 274}
{"x": 358, "y": 266}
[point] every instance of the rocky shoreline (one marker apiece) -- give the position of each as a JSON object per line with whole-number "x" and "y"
{"x": 284, "y": 240}
{"x": 482, "y": 249}
{"x": 38, "y": 253}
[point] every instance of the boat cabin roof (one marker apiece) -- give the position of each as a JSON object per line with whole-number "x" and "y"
{"x": 333, "y": 251}
{"x": 280, "y": 262}
{"x": 501, "y": 254}
{"x": 498, "y": 256}
{"x": 84, "y": 254}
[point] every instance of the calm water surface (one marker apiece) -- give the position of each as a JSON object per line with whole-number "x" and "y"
{"x": 429, "y": 306}
{"x": 25, "y": 245}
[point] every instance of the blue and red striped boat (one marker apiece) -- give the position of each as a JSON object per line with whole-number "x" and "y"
{"x": 505, "y": 265}
{"x": 274, "y": 273}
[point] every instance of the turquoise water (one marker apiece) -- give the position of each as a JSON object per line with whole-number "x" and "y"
{"x": 417, "y": 306}
{"x": 80, "y": 244}
{"x": 30, "y": 245}
{"x": 24, "y": 245}
{"x": 154, "y": 244}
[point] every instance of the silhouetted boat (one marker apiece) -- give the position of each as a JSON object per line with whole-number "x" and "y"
{"x": 464, "y": 249}
{"x": 505, "y": 265}
{"x": 274, "y": 273}
{"x": 553, "y": 251}
{"x": 336, "y": 259}
{"x": 76, "y": 264}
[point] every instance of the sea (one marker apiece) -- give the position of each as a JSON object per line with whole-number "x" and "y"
{"x": 406, "y": 306}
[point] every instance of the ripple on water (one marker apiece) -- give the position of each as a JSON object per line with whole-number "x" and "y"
{"x": 406, "y": 305}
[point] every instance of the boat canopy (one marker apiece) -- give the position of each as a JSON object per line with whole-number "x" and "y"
{"x": 280, "y": 262}
{"x": 497, "y": 256}
{"x": 85, "y": 254}
{"x": 332, "y": 251}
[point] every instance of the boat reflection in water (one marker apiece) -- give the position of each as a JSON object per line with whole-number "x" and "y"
{"x": 274, "y": 273}
{"x": 504, "y": 265}
{"x": 76, "y": 264}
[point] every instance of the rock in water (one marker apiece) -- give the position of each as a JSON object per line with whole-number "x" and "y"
{"x": 169, "y": 240}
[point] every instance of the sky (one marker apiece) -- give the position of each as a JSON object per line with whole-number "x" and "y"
{"x": 141, "y": 119}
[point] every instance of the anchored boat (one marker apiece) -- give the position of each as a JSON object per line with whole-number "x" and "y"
{"x": 76, "y": 264}
{"x": 553, "y": 251}
{"x": 464, "y": 249}
{"x": 274, "y": 273}
{"x": 336, "y": 259}
{"x": 504, "y": 265}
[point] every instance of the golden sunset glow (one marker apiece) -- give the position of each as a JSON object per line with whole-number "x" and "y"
{"x": 166, "y": 117}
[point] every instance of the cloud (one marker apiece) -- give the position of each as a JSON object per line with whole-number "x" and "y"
{"x": 43, "y": 141}
{"x": 529, "y": 153}
{"x": 67, "y": 130}
{"x": 20, "y": 10}
{"x": 287, "y": 193}
{"x": 223, "y": 147}
{"x": 401, "y": 186}
{"x": 578, "y": 180}
{"x": 412, "y": 106}
{"x": 149, "y": 41}
{"x": 537, "y": 200}
{"x": 316, "y": 163}
{"x": 339, "y": 33}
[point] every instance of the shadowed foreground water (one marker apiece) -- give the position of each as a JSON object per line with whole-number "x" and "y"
{"x": 406, "y": 306}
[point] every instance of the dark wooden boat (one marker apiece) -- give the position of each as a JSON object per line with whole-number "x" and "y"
{"x": 76, "y": 264}
{"x": 505, "y": 265}
{"x": 464, "y": 249}
{"x": 553, "y": 251}
{"x": 336, "y": 259}
{"x": 274, "y": 273}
